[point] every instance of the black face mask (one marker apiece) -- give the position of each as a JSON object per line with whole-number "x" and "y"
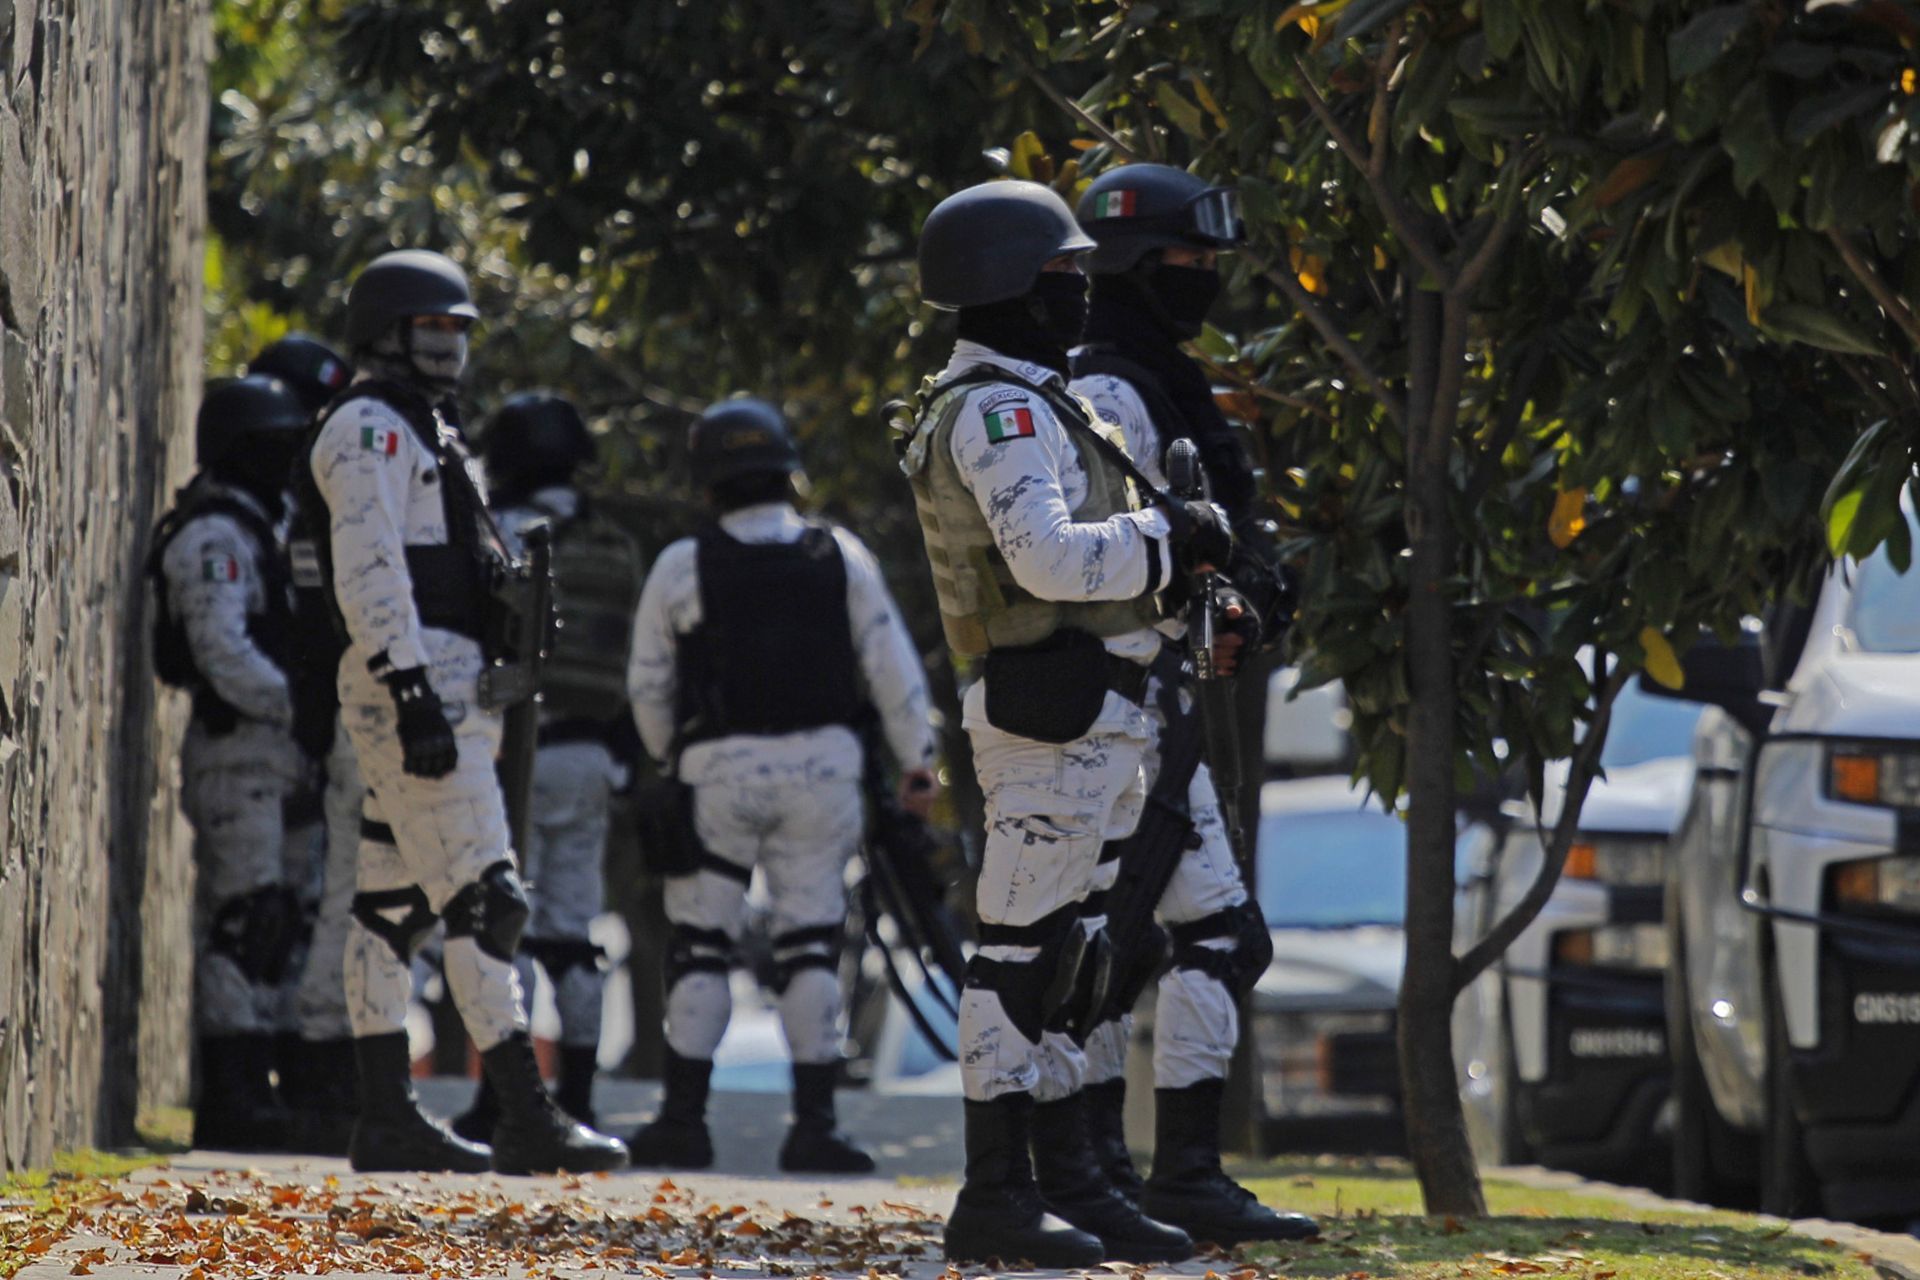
{"x": 1187, "y": 294}
{"x": 1038, "y": 325}
{"x": 1062, "y": 296}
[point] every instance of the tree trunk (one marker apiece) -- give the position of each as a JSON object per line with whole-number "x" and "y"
{"x": 1436, "y": 1126}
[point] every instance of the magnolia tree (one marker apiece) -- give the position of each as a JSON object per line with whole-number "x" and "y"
{"x": 1532, "y": 424}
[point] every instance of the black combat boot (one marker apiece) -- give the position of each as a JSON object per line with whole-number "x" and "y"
{"x": 323, "y": 1123}
{"x": 391, "y": 1136}
{"x": 1187, "y": 1186}
{"x": 677, "y": 1138}
{"x": 998, "y": 1213}
{"x": 1076, "y": 1188}
{"x": 476, "y": 1123}
{"x": 1106, "y": 1109}
{"x": 813, "y": 1145}
{"x": 238, "y": 1109}
{"x": 574, "y": 1092}
{"x": 534, "y": 1135}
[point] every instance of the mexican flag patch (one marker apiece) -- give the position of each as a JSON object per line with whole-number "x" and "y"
{"x": 380, "y": 439}
{"x": 220, "y": 569}
{"x": 1009, "y": 424}
{"x": 1113, "y": 204}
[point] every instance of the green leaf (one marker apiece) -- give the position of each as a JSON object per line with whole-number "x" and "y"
{"x": 1501, "y": 21}
{"x": 1700, "y": 43}
{"x": 1840, "y": 520}
{"x": 1813, "y": 116}
{"x": 1801, "y": 322}
{"x": 1364, "y": 15}
{"x": 1185, "y": 115}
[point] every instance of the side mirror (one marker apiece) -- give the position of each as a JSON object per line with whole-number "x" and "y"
{"x": 1729, "y": 676}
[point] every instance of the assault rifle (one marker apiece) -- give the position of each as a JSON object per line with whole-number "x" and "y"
{"x": 901, "y": 883}
{"x": 1188, "y": 479}
{"x": 521, "y": 634}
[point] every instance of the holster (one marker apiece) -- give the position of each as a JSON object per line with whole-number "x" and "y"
{"x": 663, "y": 820}
{"x": 1053, "y": 691}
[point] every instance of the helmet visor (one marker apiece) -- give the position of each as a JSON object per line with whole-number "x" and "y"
{"x": 1215, "y": 215}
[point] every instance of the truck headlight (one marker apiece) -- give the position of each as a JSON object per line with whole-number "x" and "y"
{"x": 1614, "y": 946}
{"x": 1886, "y": 883}
{"x": 1858, "y": 773}
{"x": 1618, "y": 860}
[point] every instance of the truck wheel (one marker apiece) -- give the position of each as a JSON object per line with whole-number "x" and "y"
{"x": 1706, "y": 1149}
{"x": 1787, "y": 1184}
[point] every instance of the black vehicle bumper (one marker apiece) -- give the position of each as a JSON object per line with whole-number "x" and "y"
{"x": 1858, "y": 1094}
{"x": 1607, "y": 1077}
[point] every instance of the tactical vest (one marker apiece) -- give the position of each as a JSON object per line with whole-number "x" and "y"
{"x": 271, "y": 630}
{"x": 774, "y": 649}
{"x": 596, "y": 587}
{"x": 982, "y": 607}
{"x": 452, "y": 582}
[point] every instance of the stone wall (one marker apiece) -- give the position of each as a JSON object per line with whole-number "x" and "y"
{"x": 102, "y": 156}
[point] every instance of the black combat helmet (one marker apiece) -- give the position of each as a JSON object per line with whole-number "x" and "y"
{"x": 397, "y": 286}
{"x": 1137, "y": 207}
{"x": 249, "y": 432}
{"x": 989, "y": 242}
{"x": 536, "y": 438}
{"x": 313, "y": 370}
{"x": 737, "y": 438}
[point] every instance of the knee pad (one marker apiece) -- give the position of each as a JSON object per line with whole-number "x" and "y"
{"x": 691, "y": 949}
{"x": 560, "y": 955}
{"x": 493, "y": 911}
{"x": 1065, "y": 987}
{"x": 400, "y": 918}
{"x": 817, "y": 947}
{"x": 259, "y": 932}
{"x": 1237, "y": 966}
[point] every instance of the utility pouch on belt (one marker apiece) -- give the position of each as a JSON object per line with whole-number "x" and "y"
{"x": 663, "y": 819}
{"x": 1053, "y": 691}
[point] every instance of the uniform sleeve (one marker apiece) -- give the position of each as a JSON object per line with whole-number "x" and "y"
{"x": 663, "y": 615}
{"x": 364, "y": 462}
{"x": 1116, "y": 400}
{"x": 212, "y": 579}
{"x": 896, "y": 680}
{"x": 1012, "y": 455}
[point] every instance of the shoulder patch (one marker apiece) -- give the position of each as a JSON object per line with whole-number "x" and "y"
{"x": 220, "y": 569}
{"x": 384, "y": 441}
{"x": 1012, "y": 422}
{"x": 1002, "y": 395}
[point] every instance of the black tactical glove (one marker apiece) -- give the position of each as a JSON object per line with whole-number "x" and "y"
{"x": 426, "y": 739}
{"x": 1199, "y": 534}
{"x": 259, "y": 930}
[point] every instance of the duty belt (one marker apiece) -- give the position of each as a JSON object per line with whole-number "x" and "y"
{"x": 446, "y": 589}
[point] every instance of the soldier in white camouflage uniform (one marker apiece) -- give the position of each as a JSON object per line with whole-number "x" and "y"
{"x": 314, "y": 1050}
{"x": 412, "y": 558}
{"x": 758, "y": 646}
{"x": 1158, "y": 230}
{"x": 1048, "y": 572}
{"x": 535, "y": 446}
{"x": 224, "y": 616}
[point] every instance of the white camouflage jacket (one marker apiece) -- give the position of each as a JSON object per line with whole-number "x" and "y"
{"x": 215, "y": 582}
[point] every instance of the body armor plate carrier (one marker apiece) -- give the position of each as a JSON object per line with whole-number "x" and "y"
{"x": 774, "y": 650}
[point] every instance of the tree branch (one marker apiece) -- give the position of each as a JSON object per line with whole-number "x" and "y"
{"x": 1337, "y": 341}
{"x": 1863, "y": 271}
{"x": 1873, "y": 391}
{"x": 1079, "y": 113}
{"x": 1585, "y": 767}
{"x": 1390, "y": 207}
{"x": 1377, "y": 114}
{"x": 1483, "y": 257}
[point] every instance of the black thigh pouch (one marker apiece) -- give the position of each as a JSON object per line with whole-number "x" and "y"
{"x": 1051, "y": 691}
{"x": 663, "y": 819}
